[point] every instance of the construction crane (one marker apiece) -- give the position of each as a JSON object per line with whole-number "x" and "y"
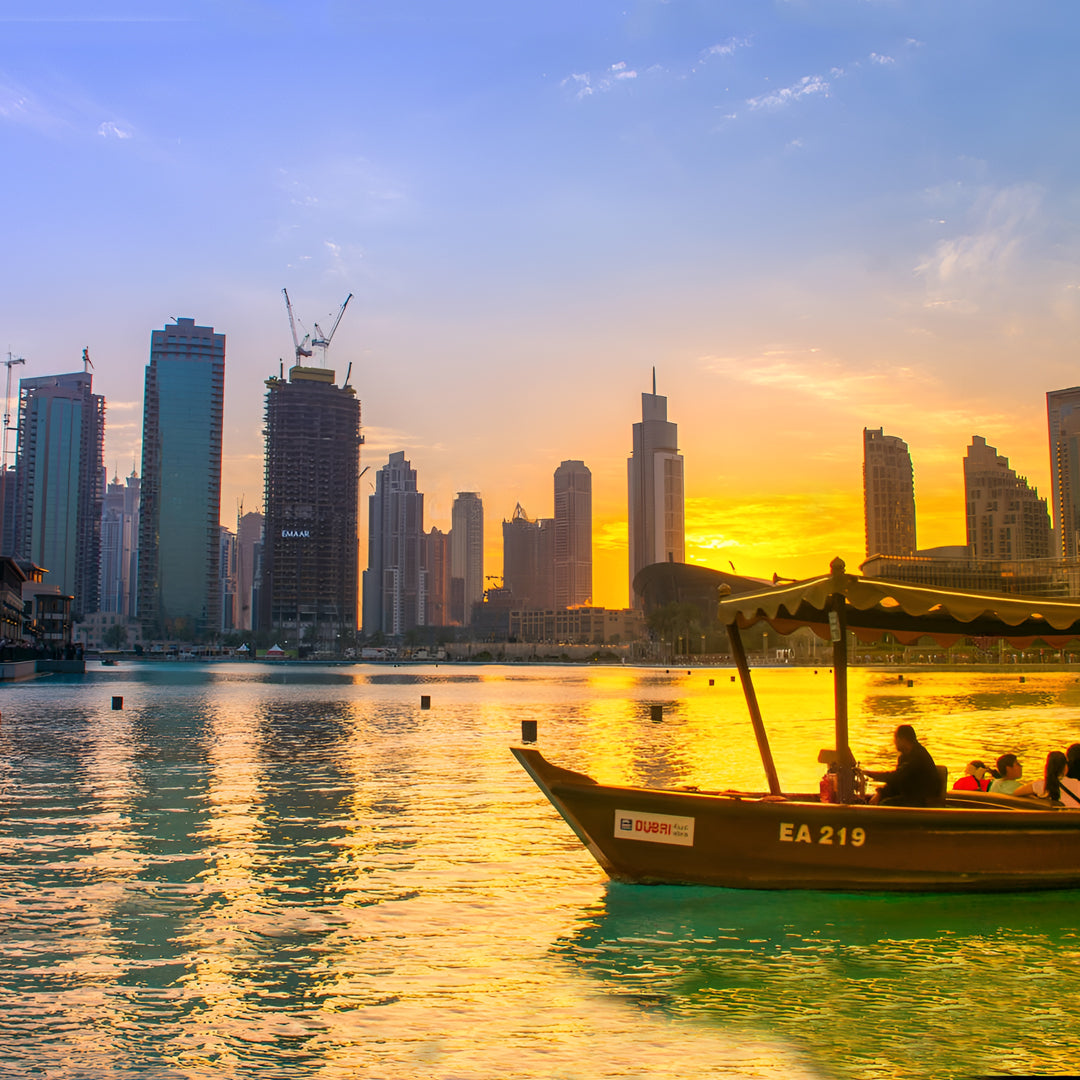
{"x": 9, "y": 363}
{"x": 321, "y": 340}
{"x": 301, "y": 346}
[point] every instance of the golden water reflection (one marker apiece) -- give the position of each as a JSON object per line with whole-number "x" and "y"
{"x": 298, "y": 872}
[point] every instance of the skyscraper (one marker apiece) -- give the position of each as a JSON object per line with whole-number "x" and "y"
{"x": 310, "y": 556}
{"x": 573, "y": 534}
{"x": 120, "y": 546}
{"x": 249, "y": 537}
{"x": 227, "y": 566}
{"x": 466, "y": 555}
{"x": 888, "y": 494}
{"x": 1063, "y": 422}
{"x": 59, "y": 476}
{"x": 437, "y": 589}
{"x": 179, "y": 587}
{"x": 655, "y": 474}
{"x": 1005, "y": 518}
{"x": 529, "y": 560}
{"x": 394, "y": 582}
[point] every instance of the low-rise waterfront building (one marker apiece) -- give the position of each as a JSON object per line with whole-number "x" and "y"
{"x": 580, "y": 625}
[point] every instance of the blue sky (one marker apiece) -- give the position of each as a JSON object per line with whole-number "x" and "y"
{"x": 810, "y": 216}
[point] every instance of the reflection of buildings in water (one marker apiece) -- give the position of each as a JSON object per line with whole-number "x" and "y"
{"x": 848, "y": 980}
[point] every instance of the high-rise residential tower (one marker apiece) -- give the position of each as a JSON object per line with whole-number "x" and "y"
{"x": 437, "y": 589}
{"x": 655, "y": 474}
{"x": 573, "y": 534}
{"x": 59, "y": 482}
{"x": 310, "y": 552}
{"x": 179, "y": 550}
{"x": 1005, "y": 518}
{"x": 888, "y": 494}
{"x": 120, "y": 546}
{"x": 1063, "y": 422}
{"x": 466, "y": 555}
{"x": 529, "y": 560}
{"x": 395, "y": 581}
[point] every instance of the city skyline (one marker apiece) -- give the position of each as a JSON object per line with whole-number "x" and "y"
{"x": 819, "y": 216}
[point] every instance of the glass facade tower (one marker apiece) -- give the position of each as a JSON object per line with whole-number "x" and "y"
{"x": 179, "y": 541}
{"x": 59, "y": 480}
{"x": 657, "y": 531}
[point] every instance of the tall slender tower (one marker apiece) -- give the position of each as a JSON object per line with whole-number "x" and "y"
{"x": 888, "y": 494}
{"x": 394, "y": 582}
{"x": 656, "y": 506}
{"x": 466, "y": 555}
{"x": 120, "y": 546}
{"x": 249, "y": 538}
{"x": 310, "y": 554}
{"x": 1006, "y": 519}
{"x": 573, "y": 534}
{"x": 1063, "y": 422}
{"x": 179, "y": 542}
{"x": 59, "y": 475}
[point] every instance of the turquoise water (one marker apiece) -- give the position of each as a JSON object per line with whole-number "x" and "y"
{"x": 297, "y": 872}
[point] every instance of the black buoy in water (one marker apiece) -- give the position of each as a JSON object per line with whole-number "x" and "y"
{"x": 528, "y": 731}
{"x": 117, "y": 703}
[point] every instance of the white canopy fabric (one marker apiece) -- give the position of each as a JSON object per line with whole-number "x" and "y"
{"x": 875, "y": 606}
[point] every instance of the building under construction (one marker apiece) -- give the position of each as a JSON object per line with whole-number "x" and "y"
{"x": 310, "y": 556}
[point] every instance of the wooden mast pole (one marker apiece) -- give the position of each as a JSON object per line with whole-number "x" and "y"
{"x": 838, "y": 633}
{"x": 739, "y": 653}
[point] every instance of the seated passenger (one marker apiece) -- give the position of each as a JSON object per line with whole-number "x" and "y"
{"x": 1009, "y": 771}
{"x": 915, "y": 780}
{"x": 1072, "y": 756}
{"x": 976, "y": 778}
{"x": 1055, "y": 784}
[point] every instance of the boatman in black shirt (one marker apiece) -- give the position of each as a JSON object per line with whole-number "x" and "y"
{"x": 915, "y": 781}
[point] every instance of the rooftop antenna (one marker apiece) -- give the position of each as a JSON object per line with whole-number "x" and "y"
{"x": 86, "y": 362}
{"x": 654, "y": 380}
{"x": 9, "y": 363}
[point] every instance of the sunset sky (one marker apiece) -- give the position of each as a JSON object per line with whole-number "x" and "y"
{"x": 810, "y": 216}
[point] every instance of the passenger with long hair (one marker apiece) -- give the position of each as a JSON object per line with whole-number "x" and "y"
{"x": 1055, "y": 784}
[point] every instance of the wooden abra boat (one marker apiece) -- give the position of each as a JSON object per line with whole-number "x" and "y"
{"x": 973, "y": 841}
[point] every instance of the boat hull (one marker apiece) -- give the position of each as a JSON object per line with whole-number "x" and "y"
{"x": 744, "y": 842}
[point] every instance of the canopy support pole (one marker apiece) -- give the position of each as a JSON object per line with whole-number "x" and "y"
{"x": 838, "y": 632}
{"x": 739, "y": 653}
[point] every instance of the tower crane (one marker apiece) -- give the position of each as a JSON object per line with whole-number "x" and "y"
{"x": 301, "y": 346}
{"x": 9, "y": 363}
{"x": 321, "y": 340}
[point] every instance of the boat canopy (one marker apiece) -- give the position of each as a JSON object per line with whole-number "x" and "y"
{"x": 872, "y": 607}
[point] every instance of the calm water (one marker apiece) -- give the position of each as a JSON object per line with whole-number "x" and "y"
{"x": 296, "y": 872}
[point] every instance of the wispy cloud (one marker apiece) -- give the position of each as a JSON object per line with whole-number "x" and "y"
{"x": 111, "y": 129}
{"x": 807, "y": 372}
{"x": 584, "y": 85}
{"x": 727, "y": 48}
{"x": 758, "y": 534}
{"x": 961, "y": 268}
{"x": 807, "y": 86}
